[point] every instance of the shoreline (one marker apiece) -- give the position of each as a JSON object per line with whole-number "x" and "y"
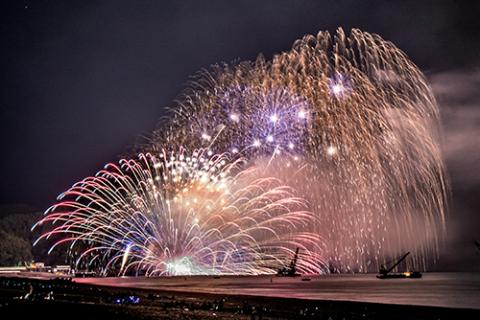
{"x": 83, "y": 299}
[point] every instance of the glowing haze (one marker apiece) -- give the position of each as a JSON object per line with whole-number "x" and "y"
{"x": 331, "y": 147}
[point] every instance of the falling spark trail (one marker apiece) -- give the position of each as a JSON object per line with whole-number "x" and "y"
{"x": 362, "y": 118}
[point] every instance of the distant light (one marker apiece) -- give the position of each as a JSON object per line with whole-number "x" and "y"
{"x": 206, "y": 136}
{"x": 257, "y": 143}
{"x": 337, "y": 89}
{"x": 338, "y": 86}
{"x": 291, "y": 145}
{"x": 196, "y": 220}
{"x": 273, "y": 118}
{"x": 270, "y": 138}
{"x": 204, "y": 178}
{"x": 222, "y": 185}
{"x": 331, "y": 150}
{"x": 178, "y": 267}
{"x": 235, "y": 150}
{"x": 209, "y": 152}
{"x": 302, "y": 114}
{"x": 234, "y": 117}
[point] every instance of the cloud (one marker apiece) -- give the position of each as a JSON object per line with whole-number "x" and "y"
{"x": 458, "y": 95}
{"x": 456, "y": 85}
{"x": 459, "y": 99}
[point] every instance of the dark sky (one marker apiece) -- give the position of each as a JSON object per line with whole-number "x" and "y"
{"x": 80, "y": 81}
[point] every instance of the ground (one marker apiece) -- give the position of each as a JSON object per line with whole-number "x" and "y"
{"x": 180, "y": 298}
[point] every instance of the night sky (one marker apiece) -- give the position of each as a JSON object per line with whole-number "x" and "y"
{"x": 82, "y": 81}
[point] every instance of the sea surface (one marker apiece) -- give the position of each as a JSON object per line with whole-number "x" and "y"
{"x": 457, "y": 290}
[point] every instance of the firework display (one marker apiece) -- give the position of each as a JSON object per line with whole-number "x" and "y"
{"x": 183, "y": 214}
{"x": 352, "y": 125}
{"x": 330, "y": 147}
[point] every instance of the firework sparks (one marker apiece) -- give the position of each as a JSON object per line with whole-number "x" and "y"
{"x": 360, "y": 146}
{"x": 184, "y": 214}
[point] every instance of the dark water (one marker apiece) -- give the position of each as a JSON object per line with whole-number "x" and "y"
{"x": 460, "y": 290}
